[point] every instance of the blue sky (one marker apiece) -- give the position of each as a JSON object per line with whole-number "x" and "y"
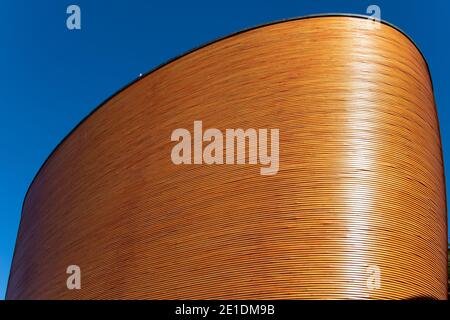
{"x": 50, "y": 77}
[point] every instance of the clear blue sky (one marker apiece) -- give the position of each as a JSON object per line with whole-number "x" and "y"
{"x": 50, "y": 77}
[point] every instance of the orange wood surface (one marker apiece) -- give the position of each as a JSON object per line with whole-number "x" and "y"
{"x": 360, "y": 183}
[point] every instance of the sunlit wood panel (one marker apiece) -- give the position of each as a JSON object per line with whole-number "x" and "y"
{"x": 359, "y": 193}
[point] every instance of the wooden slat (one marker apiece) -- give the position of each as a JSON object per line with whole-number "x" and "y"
{"x": 360, "y": 183}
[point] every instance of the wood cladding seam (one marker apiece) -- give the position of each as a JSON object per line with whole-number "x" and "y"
{"x": 360, "y": 181}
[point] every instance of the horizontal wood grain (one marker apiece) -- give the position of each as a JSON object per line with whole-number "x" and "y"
{"x": 360, "y": 182}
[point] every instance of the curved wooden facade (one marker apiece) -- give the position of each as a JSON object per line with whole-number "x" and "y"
{"x": 359, "y": 193}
